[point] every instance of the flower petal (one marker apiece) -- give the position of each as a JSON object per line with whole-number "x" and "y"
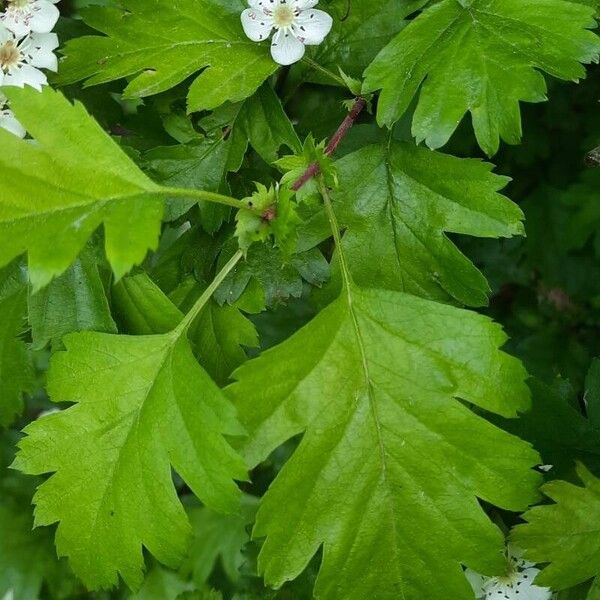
{"x": 38, "y": 48}
{"x": 5, "y": 34}
{"x": 26, "y": 75}
{"x": 286, "y": 48}
{"x": 312, "y": 26}
{"x": 304, "y": 4}
{"x": 257, "y": 25}
{"x": 9, "y": 122}
{"x": 265, "y": 6}
{"x": 45, "y": 16}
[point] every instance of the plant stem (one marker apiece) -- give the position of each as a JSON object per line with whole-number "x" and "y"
{"x": 207, "y": 295}
{"x": 203, "y": 195}
{"x": 317, "y": 67}
{"x": 335, "y": 229}
{"x": 314, "y": 169}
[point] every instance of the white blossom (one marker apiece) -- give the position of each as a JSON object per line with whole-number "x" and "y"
{"x": 516, "y": 584}
{"x": 22, "y": 58}
{"x": 8, "y": 120}
{"x": 295, "y": 22}
{"x": 27, "y": 16}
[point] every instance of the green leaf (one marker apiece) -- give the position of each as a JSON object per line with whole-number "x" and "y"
{"x": 484, "y": 57}
{"x": 259, "y": 121}
{"x": 557, "y": 429}
{"x": 279, "y": 278}
{"x": 374, "y": 383}
{"x": 162, "y": 583}
{"x": 360, "y": 30}
{"x": 592, "y": 393}
{"x": 54, "y": 194}
{"x": 273, "y": 215}
{"x": 27, "y": 556}
{"x": 75, "y": 301}
{"x": 158, "y": 45}
{"x": 16, "y": 368}
{"x": 142, "y": 404}
{"x": 218, "y": 335}
{"x": 412, "y": 198}
{"x": 564, "y": 534}
{"x": 218, "y": 537}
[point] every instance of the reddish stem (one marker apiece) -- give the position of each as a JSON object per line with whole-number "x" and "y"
{"x": 314, "y": 169}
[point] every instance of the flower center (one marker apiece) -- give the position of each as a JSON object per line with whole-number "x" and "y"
{"x": 283, "y": 16}
{"x": 9, "y": 55}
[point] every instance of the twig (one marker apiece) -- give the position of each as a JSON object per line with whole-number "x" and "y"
{"x": 314, "y": 169}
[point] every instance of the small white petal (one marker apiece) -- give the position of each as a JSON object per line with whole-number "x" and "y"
{"x": 476, "y": 580}
{"x": 5, "y": 34}
{"x": 257, "y": 25}
{"x": 304, "y": 4}
{"x": 44, "y": 17}
{"x": 312, "y": 26}
{"x": 26, "y": 75}
{"x": 286, "y": 48}
{"x": 38, "y": 47}
{"x": 9, "y": 122}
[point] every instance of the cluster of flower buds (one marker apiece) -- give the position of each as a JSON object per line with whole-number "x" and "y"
{"x": 27, "y": 46}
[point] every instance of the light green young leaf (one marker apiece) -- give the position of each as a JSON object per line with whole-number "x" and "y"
{"x": 377, "y": 385}
{"x": 159, "y": 44}
{"x": 75, "y": 301}
{"x": 564, "y": 534}
{"x": 398, "y": 202}
{"x": 484, "y": 57}
{"x": 57, "y": 192}
{"x": 16, "y": 368}
{"x": 142, "y": 405}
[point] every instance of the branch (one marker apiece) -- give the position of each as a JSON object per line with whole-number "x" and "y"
{"x": 314, "y": 169}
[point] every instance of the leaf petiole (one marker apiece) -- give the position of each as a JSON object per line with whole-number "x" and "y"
{"x": 207, "y": 295}
{"x": 335, "y": 228}
{"x": 203, "y": 195}
{"x": 325, "y": 71}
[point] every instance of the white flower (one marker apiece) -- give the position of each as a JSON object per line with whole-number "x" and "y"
{"x": 517, "y": 584}
{"x": 295, "y": 22}
{"x": 26, "y": 16}
{"x": 21, "y": 59}
{"x": 8, "y": 120}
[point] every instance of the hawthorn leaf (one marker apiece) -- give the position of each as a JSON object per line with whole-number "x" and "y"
{"x": 16, "y": 367}
{"x": 27, "y": 556}
{"x": 162, "y": 583}
{"x": 557, "y": 429}
{"x": 564, "y": 534}
{"x": 359, "y": 32}
{"x": 54, "y": 194}
{"x": 142, "y": 405}
{"x": 398, "y": 202}
{"x": 216, "y": 538}
{"x": 157, "y": 45}
{"x": 75, "y": 301}
{"x": 480, "y": 56}
{"x": 279, "y": 279}
{"x": 259, "y": 121}
{"x": 377, "y": 384}
{"x": 218, "y": 335}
